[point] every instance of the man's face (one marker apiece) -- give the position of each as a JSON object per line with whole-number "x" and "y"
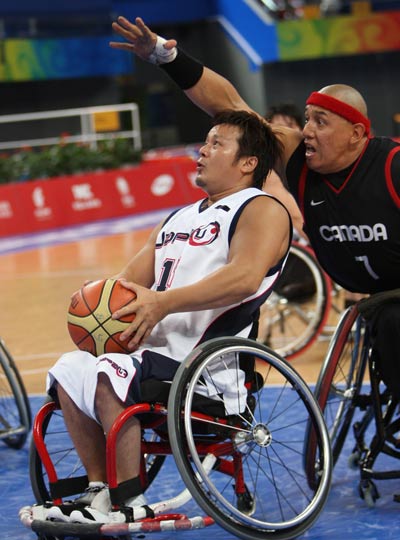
{"x": 327, "y": 138}
{"x": 217, "y": 166}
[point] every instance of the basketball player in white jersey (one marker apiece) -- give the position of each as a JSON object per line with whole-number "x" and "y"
{"x": 203, "y": 273}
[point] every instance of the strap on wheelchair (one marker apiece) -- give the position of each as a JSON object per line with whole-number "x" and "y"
{"x": 126, "y": 490}
{"x": 368, "y": 307}
{"x": 65, "y": 487}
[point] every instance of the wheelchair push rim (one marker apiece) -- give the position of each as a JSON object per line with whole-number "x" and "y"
{"x": 256, "y": 445}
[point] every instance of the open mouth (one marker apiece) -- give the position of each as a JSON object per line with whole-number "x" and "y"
{"x": 310, "y": 150}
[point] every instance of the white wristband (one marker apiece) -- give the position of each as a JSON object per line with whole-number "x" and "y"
{"x": 160, "y": 55}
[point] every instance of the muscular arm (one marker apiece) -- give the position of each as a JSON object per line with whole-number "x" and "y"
{"x": 260, "y": 241}
{"x": 213, "y": 93}
{"x": 140, "y": 268}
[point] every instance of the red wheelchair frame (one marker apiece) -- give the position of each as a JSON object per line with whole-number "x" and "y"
{"x": 231, "y": 464}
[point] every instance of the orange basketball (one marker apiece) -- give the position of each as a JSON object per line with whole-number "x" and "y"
{"x": 89, "y": 317}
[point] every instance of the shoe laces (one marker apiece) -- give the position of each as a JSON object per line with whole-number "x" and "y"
{"x": 90, "y": 493}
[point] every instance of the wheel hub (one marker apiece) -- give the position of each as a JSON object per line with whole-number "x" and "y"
{"x": 262, "y": 435}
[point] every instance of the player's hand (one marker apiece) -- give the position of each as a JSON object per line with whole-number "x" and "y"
{"x": 148, "y": 309}
{"x": 140, "y": 40}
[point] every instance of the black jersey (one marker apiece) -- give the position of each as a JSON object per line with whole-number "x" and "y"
{"x": 353, "y": 218}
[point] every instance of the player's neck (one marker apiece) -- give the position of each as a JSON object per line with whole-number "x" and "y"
{"x": 352, "y": 156}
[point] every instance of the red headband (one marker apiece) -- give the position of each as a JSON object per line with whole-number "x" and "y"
{"x": 340, "y": 108}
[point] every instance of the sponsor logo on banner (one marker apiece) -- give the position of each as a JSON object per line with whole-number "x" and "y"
{"x": 123, "y": 188}
{"x": 6, "y": 211}
{"x": 27, "y": 207}
{"x": 162, "y": 185}
{"x": 84, "y": 198}
{"x": 41, "y": 211}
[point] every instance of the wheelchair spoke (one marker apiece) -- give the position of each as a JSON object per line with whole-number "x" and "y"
{"x": 267, "y": 486}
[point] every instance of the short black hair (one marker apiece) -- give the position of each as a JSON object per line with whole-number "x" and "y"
{"x": 286, "y": 109}
{"x": 256, "y": 139}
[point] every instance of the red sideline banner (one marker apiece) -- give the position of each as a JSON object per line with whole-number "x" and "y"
{"x": 58, "y": 202}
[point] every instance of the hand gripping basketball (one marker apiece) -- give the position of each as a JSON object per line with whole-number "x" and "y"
{"x": 90, "y": 322}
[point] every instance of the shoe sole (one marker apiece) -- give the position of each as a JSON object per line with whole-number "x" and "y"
{"x": 78, "y": 517}
{"x": 55, "y": 514}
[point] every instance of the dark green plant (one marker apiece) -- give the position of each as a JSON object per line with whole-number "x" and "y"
{"x": 65, "y": 159}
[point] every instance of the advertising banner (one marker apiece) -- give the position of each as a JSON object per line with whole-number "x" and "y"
{"x": 58, "y": 202}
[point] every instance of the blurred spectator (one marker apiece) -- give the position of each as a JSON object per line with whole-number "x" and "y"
{"x": 283, "y": 9}
{"x": 295, "y": 9}
{"x": 331, "y": 7}
{"x": 285, "y": 114}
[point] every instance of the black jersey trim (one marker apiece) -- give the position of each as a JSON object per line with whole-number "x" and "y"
{"x": 388, "y": 175}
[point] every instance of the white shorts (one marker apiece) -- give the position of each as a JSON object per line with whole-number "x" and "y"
{"x": 77, "y": 373}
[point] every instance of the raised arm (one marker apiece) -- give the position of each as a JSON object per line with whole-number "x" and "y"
{"x": 211, "y": 92}
{"x": 205, "y": 88}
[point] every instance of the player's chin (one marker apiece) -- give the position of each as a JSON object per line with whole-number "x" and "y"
{"x": 199, "y": 181}
{"x": 314, "y": 163}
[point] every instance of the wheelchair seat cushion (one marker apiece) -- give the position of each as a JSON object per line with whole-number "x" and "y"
{"x": 154, "y": 391}
{"x": 369, "y": 307}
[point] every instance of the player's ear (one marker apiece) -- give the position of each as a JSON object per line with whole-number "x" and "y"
{"x": 249, "y": 164}
{"x": 358, "y": 132}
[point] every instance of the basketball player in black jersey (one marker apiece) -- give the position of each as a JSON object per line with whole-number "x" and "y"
{"x": 345, "y": 181}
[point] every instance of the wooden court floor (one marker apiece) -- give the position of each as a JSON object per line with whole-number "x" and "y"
{"x": 35, "y": 289}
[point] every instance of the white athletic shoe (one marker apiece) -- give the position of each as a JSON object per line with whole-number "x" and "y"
{"x": 58, "y": 513}
{"x": 97, "y": 511}
{"x": 131, "y": 512}
{"x": 89, "y": 515}
{"x": 63, "y": 511}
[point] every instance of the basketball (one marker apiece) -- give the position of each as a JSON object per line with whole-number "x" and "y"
{"x": 89, "y": 317}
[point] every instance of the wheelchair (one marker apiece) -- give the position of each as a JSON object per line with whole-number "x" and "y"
{"x": 291, "y": 323}
{"x": 240, "y": 457}
{"x": 15, "y": 411}
{"x": 351, "y": 394}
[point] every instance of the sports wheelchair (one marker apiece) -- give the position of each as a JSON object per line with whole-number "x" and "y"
{"x": 291, "y": 321}
{"x": 351, "y": 393}
{"x": 15, "y": 411}
{"x": 241, "y": 461}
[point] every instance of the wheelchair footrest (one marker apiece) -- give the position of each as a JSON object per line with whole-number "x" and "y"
{"x": 33, "y": 517}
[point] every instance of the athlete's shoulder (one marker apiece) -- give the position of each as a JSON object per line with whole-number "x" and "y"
{"x": 389, "y": 150}
{"x": 382, "y": 144}
{"x": 183, "y": 210}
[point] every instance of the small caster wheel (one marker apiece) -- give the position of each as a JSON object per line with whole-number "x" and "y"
{"x": 246, "y": 503}
{"x": 368, "y": 492}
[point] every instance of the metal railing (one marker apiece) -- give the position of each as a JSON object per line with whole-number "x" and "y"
{"x": 89, "y": 133}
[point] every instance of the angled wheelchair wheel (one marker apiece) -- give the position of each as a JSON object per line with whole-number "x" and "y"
{"x": 66, "y": 461}
{"x": 15, "y": 411}
{"x": 244, "y": 465}
{"x": 339, "y": 383}
{"x": 290, "y": 323}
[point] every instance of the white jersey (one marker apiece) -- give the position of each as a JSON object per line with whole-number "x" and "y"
{"x": 193, "y": 243}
